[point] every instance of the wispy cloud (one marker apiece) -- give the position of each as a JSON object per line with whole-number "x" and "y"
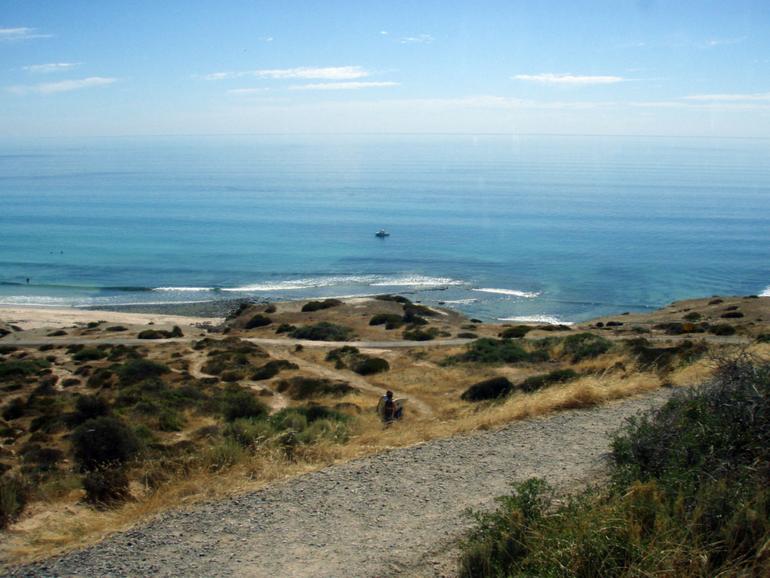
{"x": 20, "y": 33}
{"x": 751, "y": 97}
{"x": 61, "y": 86}
{"x": 306, "y": 72}
{"x": 568, "y": 79}
{"x": 418, "y": 39}
{"x": 343, "y": 85}
{"x": 247, "y": 91}
{"x": 724, "y": 41}
{"x": 51, "y": 67}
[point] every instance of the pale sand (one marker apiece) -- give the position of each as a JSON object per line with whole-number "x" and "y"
{"x": 43, "y": 317}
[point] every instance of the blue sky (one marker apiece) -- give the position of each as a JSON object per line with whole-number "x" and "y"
{"x": 72, "y": 67}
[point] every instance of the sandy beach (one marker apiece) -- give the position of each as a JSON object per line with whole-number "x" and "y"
{"x": 29, "y": 318}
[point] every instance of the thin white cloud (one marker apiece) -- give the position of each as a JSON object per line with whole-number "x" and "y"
{"x": 343, "y": 85}
{"x": 247, "y": 91}
{"x": 61, "y": 86}
{"x": 20, "y": 33}
{"x": 568, "y": 79}
{"x": 756, "y": 96}
{"x": 306, "y": 72}
{"x": 724, "y": 41}
{"x": 51, "y": 67}
{"x": 267, "y": 39}
{"x": 418, "y": 39}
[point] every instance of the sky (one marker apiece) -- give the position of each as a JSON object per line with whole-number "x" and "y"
{"x": 649, "y": 67}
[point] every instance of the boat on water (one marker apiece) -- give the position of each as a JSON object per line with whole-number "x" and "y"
{"x": 382, "y": 233}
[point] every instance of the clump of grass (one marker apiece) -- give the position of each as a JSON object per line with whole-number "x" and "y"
{"x": 102, "y": 441}
{"x": 22, "y": 367}
{"x": 389, "y": 320}
{"x": 272, "y": 368}
{"x": 418, "y": 334}
{"x": 688, "y": 497}
{"x": 665, "y": 357}
{"x": 138, "y": 370}
{"x": 351, "y": 358}
{"x": 722, "y": 329}
{"x": 176, "y": 331}
{"x": 536, "y": 382}
{"x": 14, "y": 493}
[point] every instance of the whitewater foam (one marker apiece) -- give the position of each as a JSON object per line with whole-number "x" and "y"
{"x": 547, "y": 319}
{"x": 511, "y": 292}
{"x": 766, "y": 292}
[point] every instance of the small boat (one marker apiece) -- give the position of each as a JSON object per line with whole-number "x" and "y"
{"x": 382, "y": 233}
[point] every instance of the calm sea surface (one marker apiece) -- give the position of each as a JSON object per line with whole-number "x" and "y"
{"x": 555, "y": 228}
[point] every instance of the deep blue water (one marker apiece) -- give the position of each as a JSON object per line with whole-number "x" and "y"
{"x": 563, "y": 227}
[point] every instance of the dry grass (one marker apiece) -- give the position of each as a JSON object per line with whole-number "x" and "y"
{"x": 414, "y": 374}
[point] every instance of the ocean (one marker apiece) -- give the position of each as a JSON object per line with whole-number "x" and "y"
{"x": 531, "y": 228}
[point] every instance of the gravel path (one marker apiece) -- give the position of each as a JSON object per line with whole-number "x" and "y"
{"x": 393, "y": 514}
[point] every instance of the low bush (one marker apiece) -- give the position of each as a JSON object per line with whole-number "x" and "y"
{"x": 342, "y": 356}
{"x": 371, "y": 365}
{"x": 515, "y": 332}
{"x": 89, "y": 354}
{"x": 237, "y": 402}
{"x": 389, "y": 320}
{"x": 396, "y": 298}
{"x": 176, "y": 331}
{"x": 323, "y": 331}
{"x": 536, "y": 382}
{"x": 138, "y": 370}
{"x": 586, "y": 346}
{"x": 285, "y": 328}
{"x": 496, "y": 351}
{"x": 763, "y": 338}
{"x": 688, "y": 497}
{"x": 418, "y": 334}
{"x": 467, "y": 335}
{"x": 272, "y": 368}
{"x": 15, "y": 409}
{"x": 665, "y": 357}
{"x": 307, "y": 387}
{"x": 257, "y": 320}
{"x": 311, "y": 306}
{"x": 677, "y": 328}
{"x": 106, "y": 485}
{"x": 693, "y": 316}
{"x": 722, "y": 329}
{"x": 22, "y": 367}
{"x": 14, "y": 493}
{"x": 88, "y": 407}
{"x": 250, "y": 432}
{"x": 116, "y": 328}
{"x": 101, "y": 441}
{"x": 493, "y": 388}
{"x": 732, "y": 315}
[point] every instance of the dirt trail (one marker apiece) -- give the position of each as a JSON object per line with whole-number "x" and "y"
{"x": 356, "y": 381}
{"x": 276, "y": 401}
{"x": 393, "y": 514}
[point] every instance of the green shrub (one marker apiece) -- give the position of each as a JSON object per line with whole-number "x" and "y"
{"x": 14, "y": 493}
{"x": 371, "y": 365}
{"x": 390, "y": 320}
{"x": 89, "y": 407}
{"x": 676, "y": 328}
{"x": 237, "y": 402}
{"x": 138, "y": 370}
{"x": 732, "y": 315}
{"x": 22, "y": 367}
{"x": 342, "y": 356}
{"x": 15, "y": 409}
{"x": 395, "y": 298}
{"x": 693, "y": 316}
{"x": 515, "y": 332}
{"x": 763, "y": 338}
{"x": 536, "y": 382}
{"x": 250, "y": 432}
{"x": 722, "y": 329}
{"x": 285, "y": 328}
{"x": 224, "y": 455}
{"x": 418, "y": 334}
{"x": 257, "y": 320}
{"x": 306, "y": 387}
{"x": 664, "y": 357}
{"x": 586, "y": 346}
{"x": 106, "y": 485}
{"x": 103, "y": 440}
{"x": 152, "y": 334}
{"x": 688, "y": 496}
{"x": 311, "y": 306}
{"x": 496, "y": 351}
{"x": 467, "y": 335}
{"x": 323, "y": 331}
{"x": 170, "y": 420}
{"x": 493, "y": 388}
{"x": 272, "y": 368}
{"x": 89, "y": 354}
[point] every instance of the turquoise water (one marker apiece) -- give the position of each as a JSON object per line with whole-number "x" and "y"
{"x": 558, "y": 228}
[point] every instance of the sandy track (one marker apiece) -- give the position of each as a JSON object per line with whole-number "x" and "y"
{"x": 396, "y": 513}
